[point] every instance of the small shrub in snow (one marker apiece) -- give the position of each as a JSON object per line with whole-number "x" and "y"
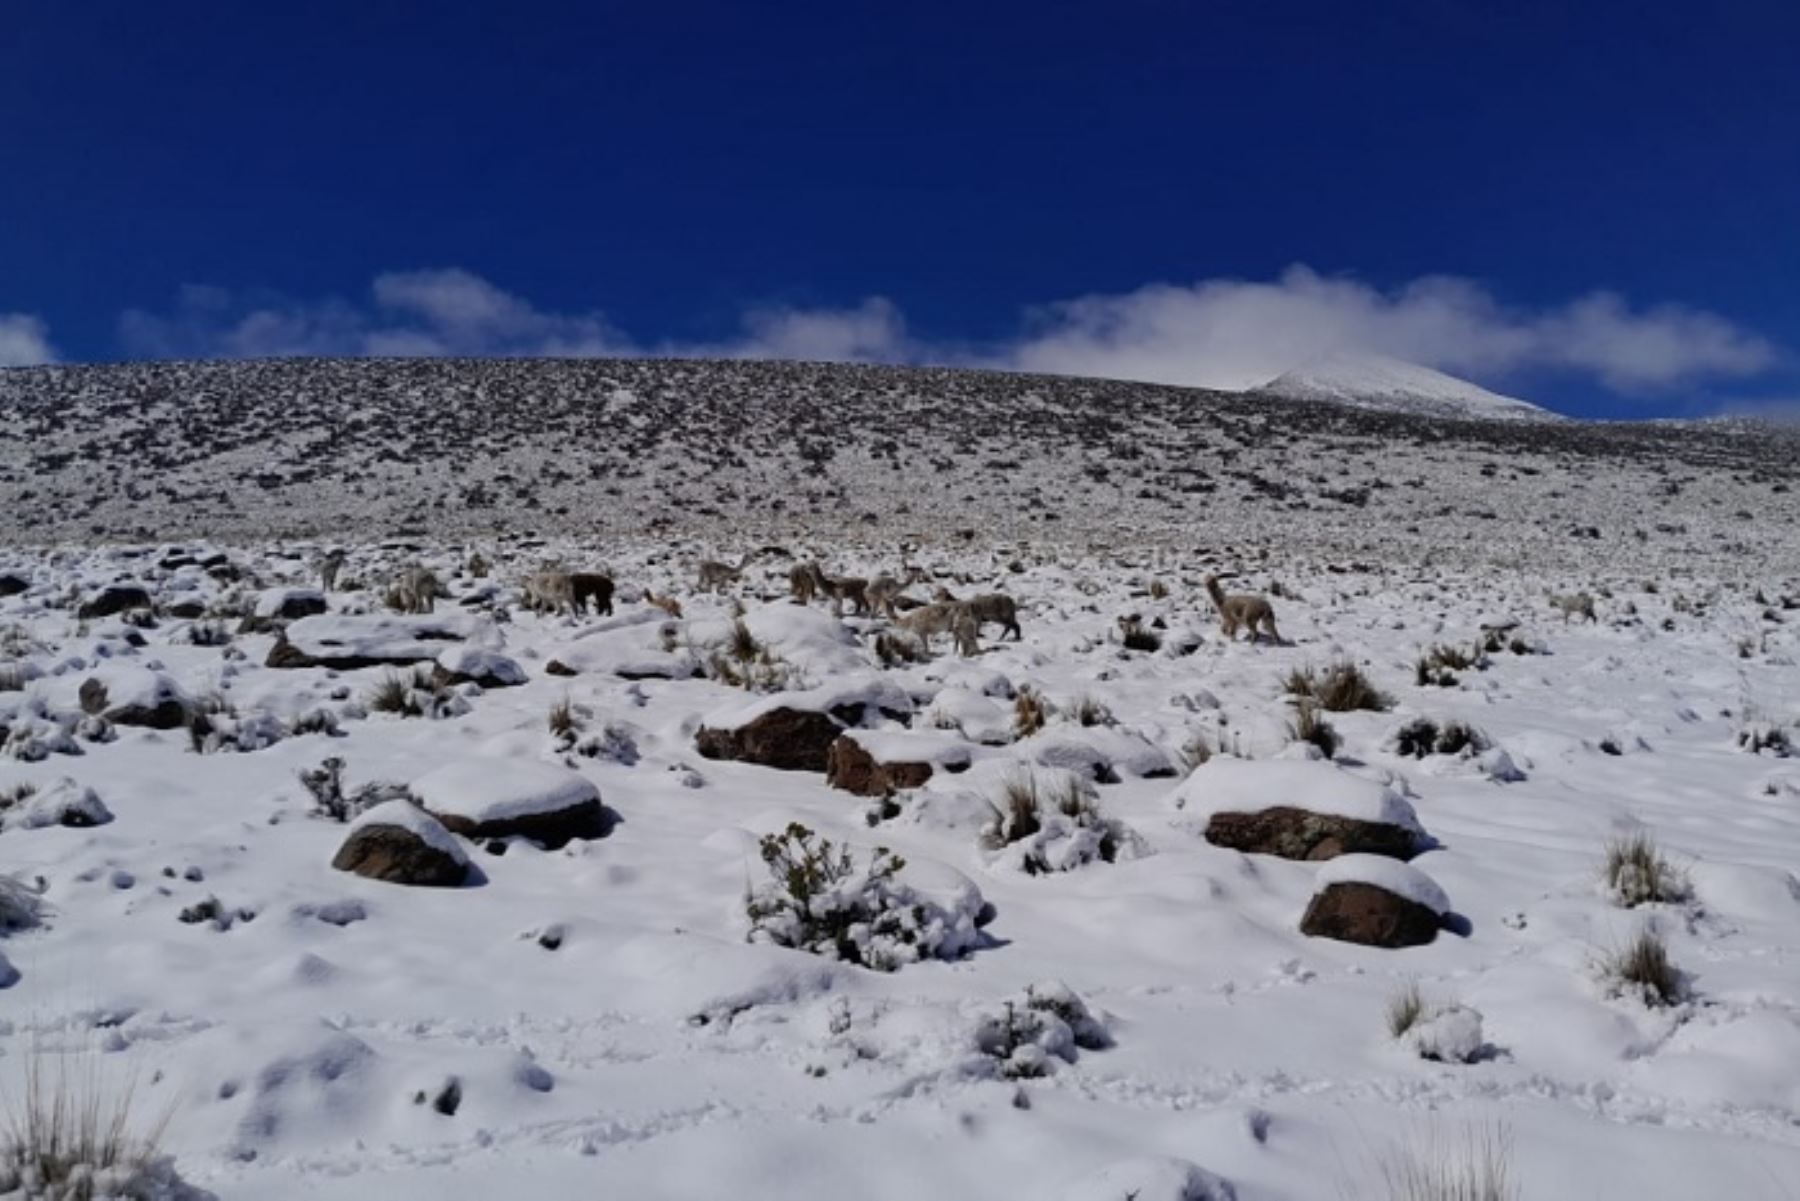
{"x": 1030, "y": 712}
{"x": 565, "y": 722}
{"x": 1442, "y": 1033}
{"x": 203, "y": 633}
{"x": 1760, "y": 737}
{"x": 1422, "y": 736}
{"x": 819, "y": 899}
{"x": 1309, "y": 726}
{"x": 1196, "y": 752}
{"x": 1049, "y": 821}
{"x": 1642, "y": 969}
{"x": 1636, "y": 873}
{"x": 208, "y": 735}
{"x": 325, "y": 783}
{"x": 1340, "y": 688}
{"x": 1046, "y": 1023}
{"x": 314, "y": 721}
{"x": 13, "y": 677}
{"x": 1135, "y": 636}
{"x": 765, "y": 672}
{"x": 1405, "y": 1008}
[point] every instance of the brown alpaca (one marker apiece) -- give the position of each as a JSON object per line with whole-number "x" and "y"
{"x": 955, "y": 618}
{"x": 1241, "y": 610}
{"x": 995, "y": 608}
{"x": 800, "y": 582}
{"x": 667, "y": 604}
{"x": 841, "y": 589}
{"x": 884, "y": 590}
{"x": 591, "y": 586}
{"x": 550, "y": 590}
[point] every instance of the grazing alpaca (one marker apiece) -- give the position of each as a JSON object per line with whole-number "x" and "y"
{"x": 841, "y": 589}
{"x": 587, "y": 586}
{"x": 715, "y": 576}
{"x": 1242, "y": 610}
{"x": 1577, "y": 604}
{"x": 667, "y": 604}
{"x": 955, "y": 618}
{"x": 552, "y": 591}
{"x": 329, "y": 565}
{"x": 994, "y": 608}
{"x": 882, "y": 591}
{"x": 416, "y": 590}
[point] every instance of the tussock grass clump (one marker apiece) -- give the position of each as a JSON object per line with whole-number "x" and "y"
{"x": 1134, "y": 635}
{"x": 1636, "y": 873}
{"x": 73, "y": 1138}
{"x": 1422, "y": 736}
{"x": 1309, "y": 726}
{"x": 1405, "y": 1008}
{"x": 12, "y": 677}
{"x": 742, "y": 645}
{"x": 564, "y": 722}
{"x": 1763, "y": 737}
{"x": 1088, "y": 712}
{"x": 1057, "y": 814}
{"x": 1476, "y": 1167}
{"x": 1642, "y": 968}
{"x": 418, "y": 694}
{"x": 1340, "y": 688}
{"x": 1030, "y": 711}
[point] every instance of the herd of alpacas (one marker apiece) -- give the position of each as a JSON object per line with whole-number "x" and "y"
{"x": 576, "y": 593}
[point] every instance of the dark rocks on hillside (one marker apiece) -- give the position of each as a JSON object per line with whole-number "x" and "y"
{"x": 786, "y": 739}
{"x": 1302, "y": 834}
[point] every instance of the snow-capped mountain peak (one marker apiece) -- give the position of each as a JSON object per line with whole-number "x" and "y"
{"x": 1375, "y": 382}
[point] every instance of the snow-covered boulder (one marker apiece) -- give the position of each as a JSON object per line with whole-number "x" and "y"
{"x": 463, "y": 664}
{"x": 1375, "y": 901}
{"x": 275, "y": 606}
{"x": 499, "y": 798}
{"x": 1451, "y": 1034}
{"x": 347, "y": 642}
{"x": 399, "y": 842}
{"x": 882, "y": 762}
{"x": 1102, "y": 753}
{"x": 64, "y": 803}
{"x": 639, "y": 645}
{"x": 979, "y": 717}
{"x": 1298, "y": 809}
{"x": 794, "y": 731}
{"x": 136, "y": 696}
{"x": 1150, "y": 1178}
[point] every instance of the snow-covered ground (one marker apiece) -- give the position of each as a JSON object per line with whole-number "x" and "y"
{"x": 1383, "y": 383}
{"x": 596, "y": 1020}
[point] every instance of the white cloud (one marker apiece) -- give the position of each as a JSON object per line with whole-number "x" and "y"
{"x": 24, "y": 341}
{"x": 1237, "y": 333}
{"x": 1221, "y": 333}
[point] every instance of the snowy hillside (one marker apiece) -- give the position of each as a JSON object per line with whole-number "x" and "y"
{"x": 744, "y": 453}
{"x": 1384, "y": 383}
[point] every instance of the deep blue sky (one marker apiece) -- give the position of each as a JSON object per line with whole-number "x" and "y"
{"x": 672, "y": 164}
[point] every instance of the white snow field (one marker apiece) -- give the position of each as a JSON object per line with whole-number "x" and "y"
{"x": 1112, "y": 1006}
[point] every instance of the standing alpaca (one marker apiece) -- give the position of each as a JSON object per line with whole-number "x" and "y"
{"x": 884, "y": 588}
{"x": 329, "y": 565}
{"x": 416, "y": 590}
{"x": 667, "y": 604}
{"x": 586, "y": 586}
{"x": 841, "y": 589}
{"x": 1240, "y": 609}
{"x": 1578, "y": 604}
{"x": 955, "y": 618}
{"x": 990, "y": 608}
{"x": 553, "y": 591}
{"x": 715, "y": 576}
{"x": 800, "y": 582}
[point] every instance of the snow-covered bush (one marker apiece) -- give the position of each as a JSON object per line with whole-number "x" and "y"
{"x": 1049, "y": 820}
{"x": 819, "y": 899}
{"x": 227, "y": 731}
{"x": 325, "y": 783}
{"x": 1763, "y": 737}
{"x": 1448, "y": 1033}
{"x": 1642, "y": 969}
{"x": 1339, "y": 688}
{"x": 1422, "y": 736}
{"x": 31, "y": 731}
{"x": 1045, "y": 1023}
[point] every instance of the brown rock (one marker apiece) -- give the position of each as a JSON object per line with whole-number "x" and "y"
{"x": 849, "y": 766}
{"x": 113, "y": 599}
{"x": 399, "y": 856}
{"x": 787, "y": 739}
{"x": 586, "y": 819}
{"x": 1374, "y": 917}
{"x": 1302, "y": 834}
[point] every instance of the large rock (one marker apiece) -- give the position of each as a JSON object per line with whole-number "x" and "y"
{"x": 783, "y": 738}
{"x": 499, "y": 798}
{"x": 64, "y": 803}
{"x": 12, "y": 585}
{"x": 348, "y": 643}
{"x": 869, "y": 763}
{"x": 475, "y": 665}
{"x": 279, "y": 605}
{"x": 1299, "y": 809}
{"x": 114, "y": 599}
{"x": 398, "y": 842}
{"x": 1375, "y": 901}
